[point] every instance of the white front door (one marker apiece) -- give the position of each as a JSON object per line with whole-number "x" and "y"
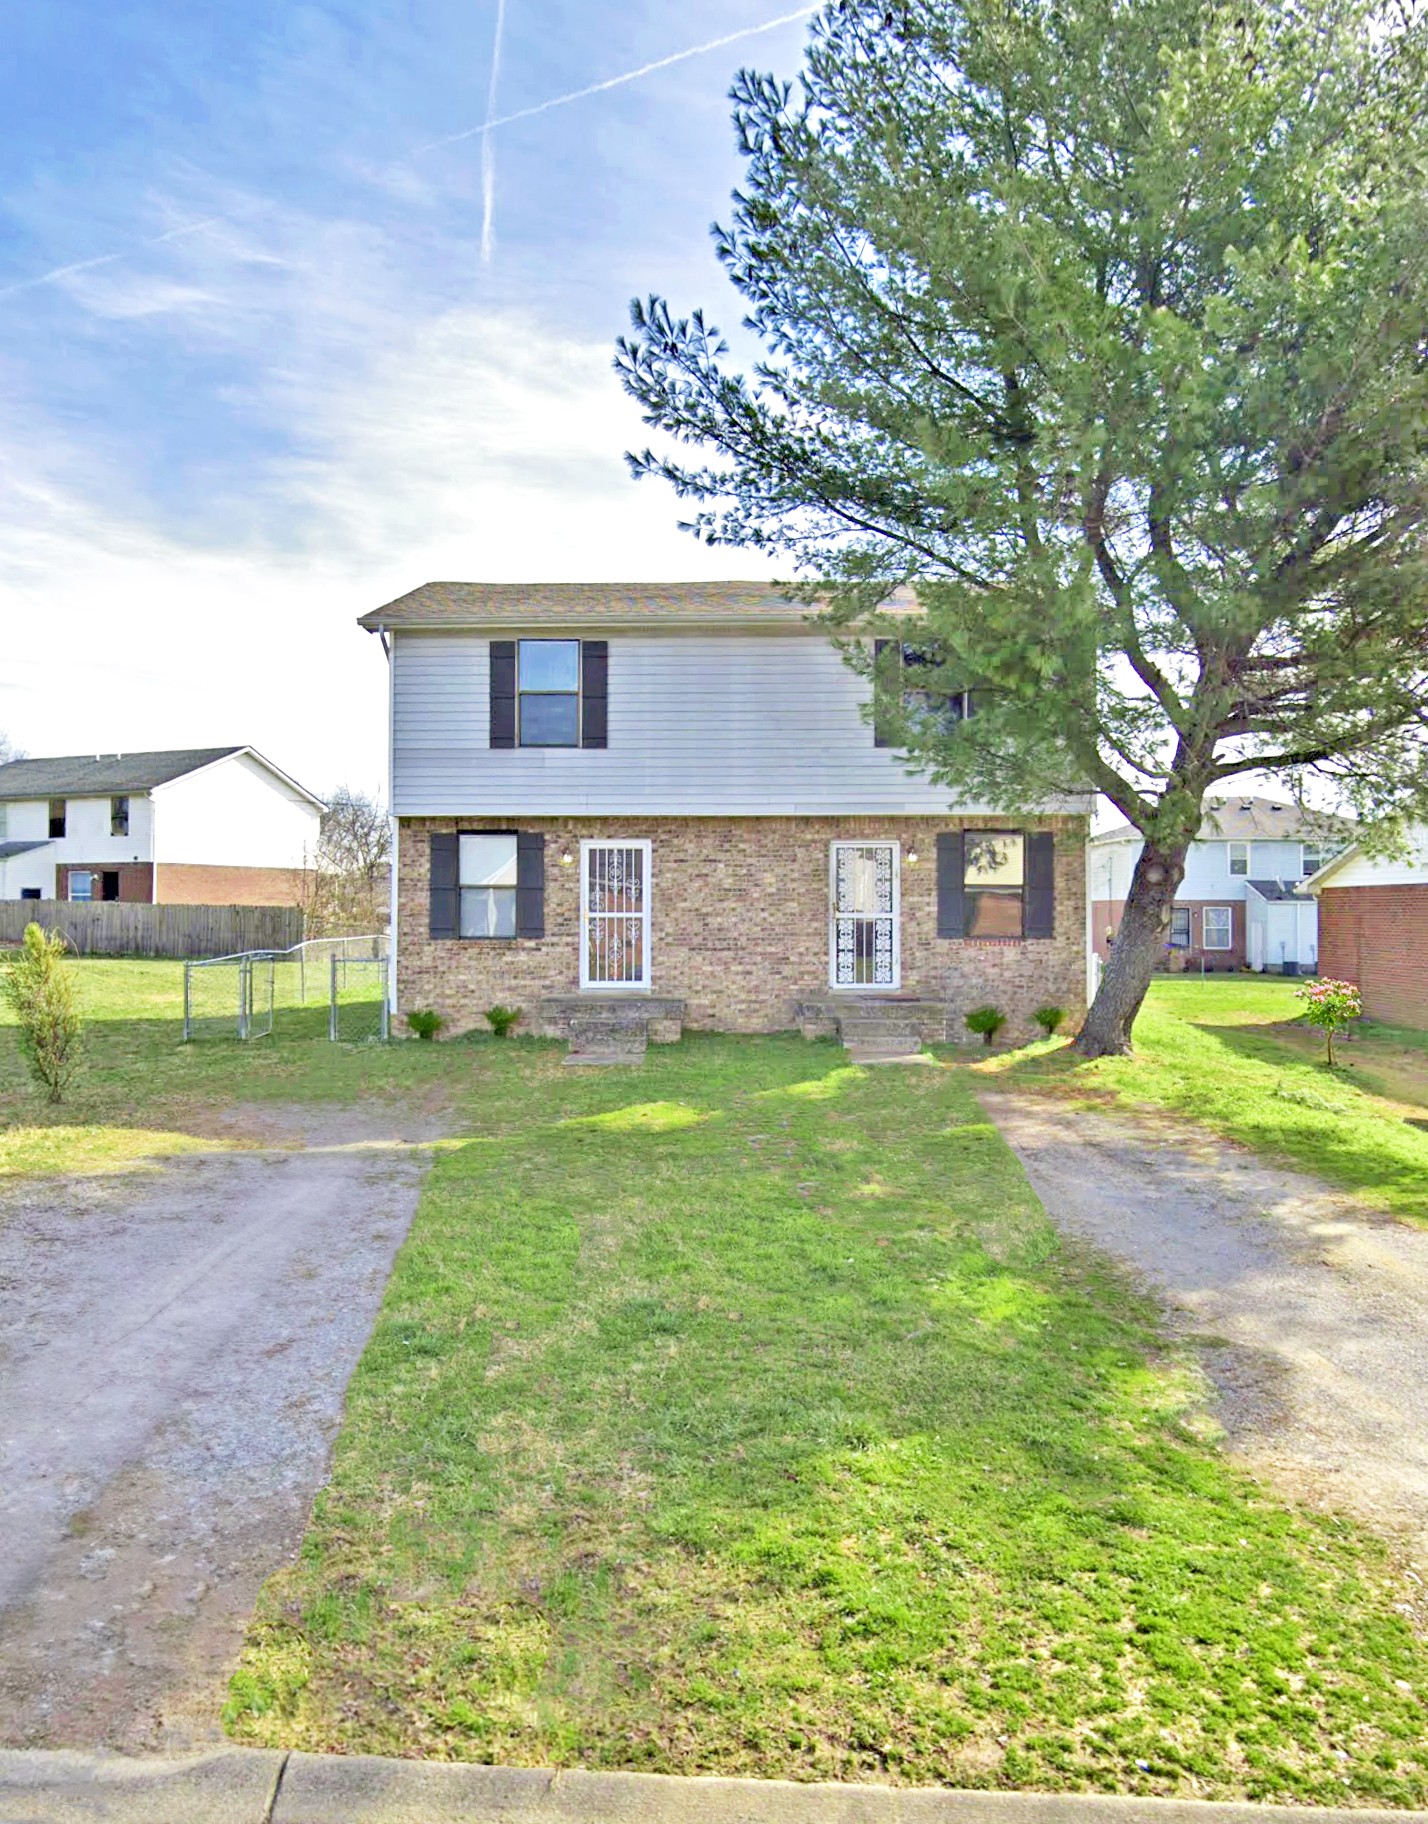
{"x": 615, "y": 915}
{"x": 864, "y": 950}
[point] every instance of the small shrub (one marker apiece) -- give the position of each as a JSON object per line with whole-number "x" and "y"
{"x": 1050, "y": 1019}
{"x": 986, "y": 1020}
{"x": 1330, "y": 1006}
{"x": 38, "y": 985}
{"x": 502, "y": 1019}
{"x": 425, "y": 1022}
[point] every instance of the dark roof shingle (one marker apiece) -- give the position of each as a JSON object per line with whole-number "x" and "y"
{"x": 85, "y": 775}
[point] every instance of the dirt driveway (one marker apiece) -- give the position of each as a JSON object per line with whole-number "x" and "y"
{"x": 174, "y": 1347}
{"x": 1312, "y": 1313}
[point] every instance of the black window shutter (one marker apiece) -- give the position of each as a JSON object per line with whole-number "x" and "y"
{"x": 444, "y": 887}
{"x": 1039, "y": 914}
{"x": 530, "y": 884}
{"x": 503, "y": 693}
{"x": 883, "y": 685}
{"x": 594, "y": 693}
{"x": 951, "y": 869}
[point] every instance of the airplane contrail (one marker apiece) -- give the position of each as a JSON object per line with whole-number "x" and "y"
{"x": 488, "y": 150}
{"x": 105, "y": 259}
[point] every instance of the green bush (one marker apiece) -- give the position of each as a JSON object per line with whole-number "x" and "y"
{"x": 986, "y": 1020}
{"x": 425, "y": 1022}
{"x": 38, "y": 985}
{"x": 502, "y": 1019}
{"x": 1050, "y": 1019}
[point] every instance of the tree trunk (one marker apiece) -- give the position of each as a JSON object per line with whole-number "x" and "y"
{"x": 1138, "y": 947}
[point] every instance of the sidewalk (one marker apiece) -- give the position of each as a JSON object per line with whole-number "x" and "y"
{"x": 259, "y": 1786}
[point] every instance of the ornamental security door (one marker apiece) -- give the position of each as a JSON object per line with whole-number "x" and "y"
{"x": 615, "y": 915}
{"x": 864, "y": 948}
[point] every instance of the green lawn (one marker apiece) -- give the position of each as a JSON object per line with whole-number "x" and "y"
{"x": 1231, "y": 1053}
{"x": 743, "y": 1414}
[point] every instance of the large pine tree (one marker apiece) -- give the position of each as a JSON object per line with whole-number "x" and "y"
{"x": 1101, "y": 323}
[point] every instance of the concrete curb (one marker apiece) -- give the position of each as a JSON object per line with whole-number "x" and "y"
{"x": 263, "y": 1786}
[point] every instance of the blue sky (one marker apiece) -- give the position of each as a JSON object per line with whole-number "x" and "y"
{"x": 283, "y": 333}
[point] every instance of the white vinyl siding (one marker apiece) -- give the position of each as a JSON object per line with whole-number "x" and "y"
{"x": 740, "y": 723}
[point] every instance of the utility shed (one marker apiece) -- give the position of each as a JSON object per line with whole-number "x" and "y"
{"x": 1373, "y": 929}
{"x": 1281, "y": 927}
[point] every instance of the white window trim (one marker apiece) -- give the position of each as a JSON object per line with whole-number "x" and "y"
{"x": 1229, "y": 942}
{"x": 870, "y": 842}
{"x": 644, "y": 844}
{"x": 1230, "y": 848}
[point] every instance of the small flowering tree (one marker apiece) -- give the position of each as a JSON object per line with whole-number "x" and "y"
{"x": 1330, "y": 1006}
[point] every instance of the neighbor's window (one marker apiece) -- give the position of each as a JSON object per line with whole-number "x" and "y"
{"x": 548, "y": 693}
{"x": 81, "y": 884}
{"x": 1239, "y": 857}
{"x": 1313, "y": 857}
{"x": 118, "y": 816}
{"x": 923, "y": 701}
{"x": 1217, "y": 927}
{"x": 993, "y": 877}
{"x": 56, "y": 817}
{"x": 488, "y": 886}
{"x": 1180, "y": 927}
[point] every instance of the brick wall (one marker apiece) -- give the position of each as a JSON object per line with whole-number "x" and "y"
{"x": 195, "y": 884}
{"x": 1378, "y": 938}
{"x": 136, "y": 879}
{"x": 739, "y": 921}
{"x": 1106, "y": 920}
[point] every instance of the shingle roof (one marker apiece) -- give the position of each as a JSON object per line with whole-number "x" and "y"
{"x": 7, "y": 849}
{"x": 96, "y": 775}
{"x": 1279, "y": 892}
{"x": 1249, "y": 819}
{"x": 567, "y": 604}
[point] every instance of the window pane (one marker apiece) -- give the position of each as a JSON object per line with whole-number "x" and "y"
{"x": 550, "y": 721}
{"x": 1180, "y": 927}
{"x": 488, "y": 861}
{"x": 994, "y": 859}
{"x": 550, "y": 665}
{"x": 1217, "y": 927}
{"x": 993, "y": 913}
{"x": 1239, "y": 858}
{"x": 81, "y": 886}
{"x": 488, "y": 911}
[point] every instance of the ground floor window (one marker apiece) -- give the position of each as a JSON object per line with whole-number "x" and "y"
{"x": 488, "y": 885}
{"x": 1217, "y": 924}
{"x": 81, "y": 884}
{"x": 1180, "y": 927}
{"x": 994, "y": 874}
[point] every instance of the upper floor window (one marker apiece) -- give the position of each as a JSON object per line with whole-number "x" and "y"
{"x": 1313, "y": 856}
{"x": 548, "y": 693}
{"x": 911, "y": 678}
{"x": 994, "y": 880}
{"x": 1239, "y": 857}
{"x": 119, "y": 816}
{"x": 57, "y": 817}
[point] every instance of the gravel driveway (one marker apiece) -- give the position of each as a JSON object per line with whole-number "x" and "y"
{"x": 174, "y": 1348}
{"x": 1315, "y": 1311}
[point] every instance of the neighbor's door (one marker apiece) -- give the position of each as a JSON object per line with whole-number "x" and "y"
{"x": 864, "y": 950}
{"x": 615, "y": 915}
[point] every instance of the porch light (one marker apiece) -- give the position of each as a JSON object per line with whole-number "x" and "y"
{"x": 566, "y": 858}
{"x": 912, "y": 858}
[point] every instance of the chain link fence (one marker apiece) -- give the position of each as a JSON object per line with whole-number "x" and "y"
{"x": 334, "y": 987}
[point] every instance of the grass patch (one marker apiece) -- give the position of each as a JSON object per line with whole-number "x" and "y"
{"x": 745, "y": 1415}
{"x": 1230, "y": 1053}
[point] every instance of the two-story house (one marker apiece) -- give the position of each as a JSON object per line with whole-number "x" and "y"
{"x": 196, "y": 826}
{"x": 670, "y": 791}
{"x": 1241, "y": 903}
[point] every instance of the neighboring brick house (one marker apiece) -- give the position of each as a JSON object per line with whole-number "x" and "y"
{"x": 1373, "y": 929}
{"x": 193, "y": 826}
{"x": 670, "y": 791}
{"x": 1242, "y": 902}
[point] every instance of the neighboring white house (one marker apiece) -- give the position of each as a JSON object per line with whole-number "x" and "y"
{"x": 196, "y": 826}
{"x": 1242, "y": 902}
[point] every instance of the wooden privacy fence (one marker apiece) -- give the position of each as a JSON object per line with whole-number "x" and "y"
{"x": 113, "y": 928}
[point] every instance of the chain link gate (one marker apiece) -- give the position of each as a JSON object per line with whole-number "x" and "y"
{"x": 239, "y": 996}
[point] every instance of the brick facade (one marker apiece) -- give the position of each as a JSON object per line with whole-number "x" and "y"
{"x": 182, "y": 883}
{"x": 136, "y": 879}
{"x": 1378, "y": 938}
{"x": 739, "y": 921}
{"x": 1106, "y": 921}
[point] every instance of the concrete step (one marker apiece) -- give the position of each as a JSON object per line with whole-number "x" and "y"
{"x": 601, "y": 1040}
